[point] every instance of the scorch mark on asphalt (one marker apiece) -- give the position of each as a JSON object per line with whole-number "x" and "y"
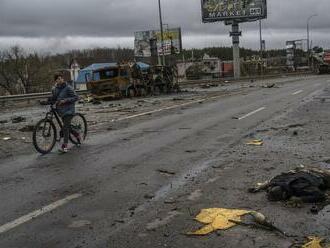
{"x": 10, "y": 225}
{"x": 251, "y": 113}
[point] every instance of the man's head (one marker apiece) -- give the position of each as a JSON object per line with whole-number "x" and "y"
{"x": 58, "y": 78}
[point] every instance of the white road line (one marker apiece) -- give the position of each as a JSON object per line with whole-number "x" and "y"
{"x": 34, "y": 214}
{"x": 167, "y": 108}
{"x": 297, "y": 92}
{"x": 251, "y": 113}
{"x": 162, "y": 109}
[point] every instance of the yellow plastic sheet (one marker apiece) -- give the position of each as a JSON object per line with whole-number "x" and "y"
{"x": 314, "y": 242}
{"x": 256, "y": 142}
{"x": 218, "y": 219}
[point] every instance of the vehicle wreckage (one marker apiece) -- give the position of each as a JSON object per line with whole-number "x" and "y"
{"x": 113, "y": 80}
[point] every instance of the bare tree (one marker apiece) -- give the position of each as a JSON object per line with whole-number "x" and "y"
{"x": 21, "y": 72}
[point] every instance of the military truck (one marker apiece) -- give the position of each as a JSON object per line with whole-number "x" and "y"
{"x": 113, "y": 80}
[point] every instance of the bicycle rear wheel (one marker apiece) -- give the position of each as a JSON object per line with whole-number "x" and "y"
{"x": 78, "y": 129}
{"x": 44, "y": 136}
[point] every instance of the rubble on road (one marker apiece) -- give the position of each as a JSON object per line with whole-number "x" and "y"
{"x": 27, "y": 128}
{"x": 18, "y": 119}
{"x": 255, "y": 142}
{"x": 165, "y": 171}
{"x": 269, "y": 86}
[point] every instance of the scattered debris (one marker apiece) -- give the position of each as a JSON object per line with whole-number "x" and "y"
{"x": 18, "y": 119}
{"x": 27, "y": 128}
{"x": 165, "y": 171}
{"x": 149, "y": 196}
{"x": 297, "y": 186}
{"x": 207, "y": 86}
{"x": 255, "y": 142}
{"x": 285, "y": 128}
{"x": 170, "y": 201}
{"x": 79, "y": 224}
{"x": 271, "y": 85}
{"x": 96, "y": 102}
{"x": 314, "y": 210}
{"x": 178, "y": 99}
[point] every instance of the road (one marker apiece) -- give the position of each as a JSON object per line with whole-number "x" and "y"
{"x": 109, "y": 192}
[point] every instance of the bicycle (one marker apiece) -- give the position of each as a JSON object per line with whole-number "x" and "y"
{"x": 45, "y": 132}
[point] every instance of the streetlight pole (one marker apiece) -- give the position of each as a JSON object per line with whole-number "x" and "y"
{"x": 161, "y": 32}
{"x": 308, "y": 40}
{"x": 261, "y": 48}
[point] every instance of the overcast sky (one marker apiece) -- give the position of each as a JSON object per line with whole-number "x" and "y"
{"x": 57, "y": 26}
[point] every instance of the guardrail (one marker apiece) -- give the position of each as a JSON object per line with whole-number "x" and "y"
{"x": 32, "y": 96}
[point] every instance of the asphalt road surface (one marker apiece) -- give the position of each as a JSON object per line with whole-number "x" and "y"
{"x": 110, "y": 191}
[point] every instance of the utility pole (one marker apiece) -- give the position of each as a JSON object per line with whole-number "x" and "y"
{"x": 161, "y": 33}
{"x": 260, "y": 35}
{"x": 261, "y": 48}
{"x": 235, "y": 33}
{"x": 308, "y": 39}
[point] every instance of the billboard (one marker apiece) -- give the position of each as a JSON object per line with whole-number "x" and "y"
{"x": 148, "y": 41}
{"x": 238, "y": 10}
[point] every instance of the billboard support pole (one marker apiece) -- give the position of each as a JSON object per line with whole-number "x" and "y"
{"x": 161, "y": 33}
{"x": 235, "y": 33}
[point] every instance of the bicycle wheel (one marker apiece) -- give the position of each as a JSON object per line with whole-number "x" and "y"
{"x": 78, "y": 129}
{"x": 44, "y": 136}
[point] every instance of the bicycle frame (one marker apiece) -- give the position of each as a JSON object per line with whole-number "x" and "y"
{"x": 50, "y": 115}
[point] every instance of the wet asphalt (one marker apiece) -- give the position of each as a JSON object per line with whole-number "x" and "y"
{"x": 123, "y": 177}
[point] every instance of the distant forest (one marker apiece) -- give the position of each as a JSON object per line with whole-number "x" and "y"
{"x": 22, "y": 72}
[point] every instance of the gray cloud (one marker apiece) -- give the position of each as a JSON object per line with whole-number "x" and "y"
{"x": 61, "y": 25}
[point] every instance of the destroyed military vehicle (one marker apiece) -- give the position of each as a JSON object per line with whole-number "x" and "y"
{"x": 112, "y": 80}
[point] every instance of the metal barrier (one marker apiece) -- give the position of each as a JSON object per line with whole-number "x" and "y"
{"x": 32, "y": 96}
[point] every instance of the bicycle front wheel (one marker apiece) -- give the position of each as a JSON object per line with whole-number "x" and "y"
{"x": 44, "y": 136}
{"x": 78, "y": 129}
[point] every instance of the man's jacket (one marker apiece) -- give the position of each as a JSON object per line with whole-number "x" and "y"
{"x": 66, "y": 93}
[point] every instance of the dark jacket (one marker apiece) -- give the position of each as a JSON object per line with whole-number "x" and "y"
{"x": 66, "y": 93}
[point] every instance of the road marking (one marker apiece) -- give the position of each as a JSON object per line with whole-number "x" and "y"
{"x": 251, "y": 113}
{"x": 297, "y": 92}
{"x": 162, "y": 109}
{"x": 34, "y": 214}
{"x": 168, "y": 108}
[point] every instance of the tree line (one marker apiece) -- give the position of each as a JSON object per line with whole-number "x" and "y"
{"x": 23, "y": 72}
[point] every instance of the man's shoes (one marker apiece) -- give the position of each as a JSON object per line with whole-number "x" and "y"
{"x": 63, "y": 148}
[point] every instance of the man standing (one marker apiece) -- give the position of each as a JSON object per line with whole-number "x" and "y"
{"x": 64, "y": 96}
